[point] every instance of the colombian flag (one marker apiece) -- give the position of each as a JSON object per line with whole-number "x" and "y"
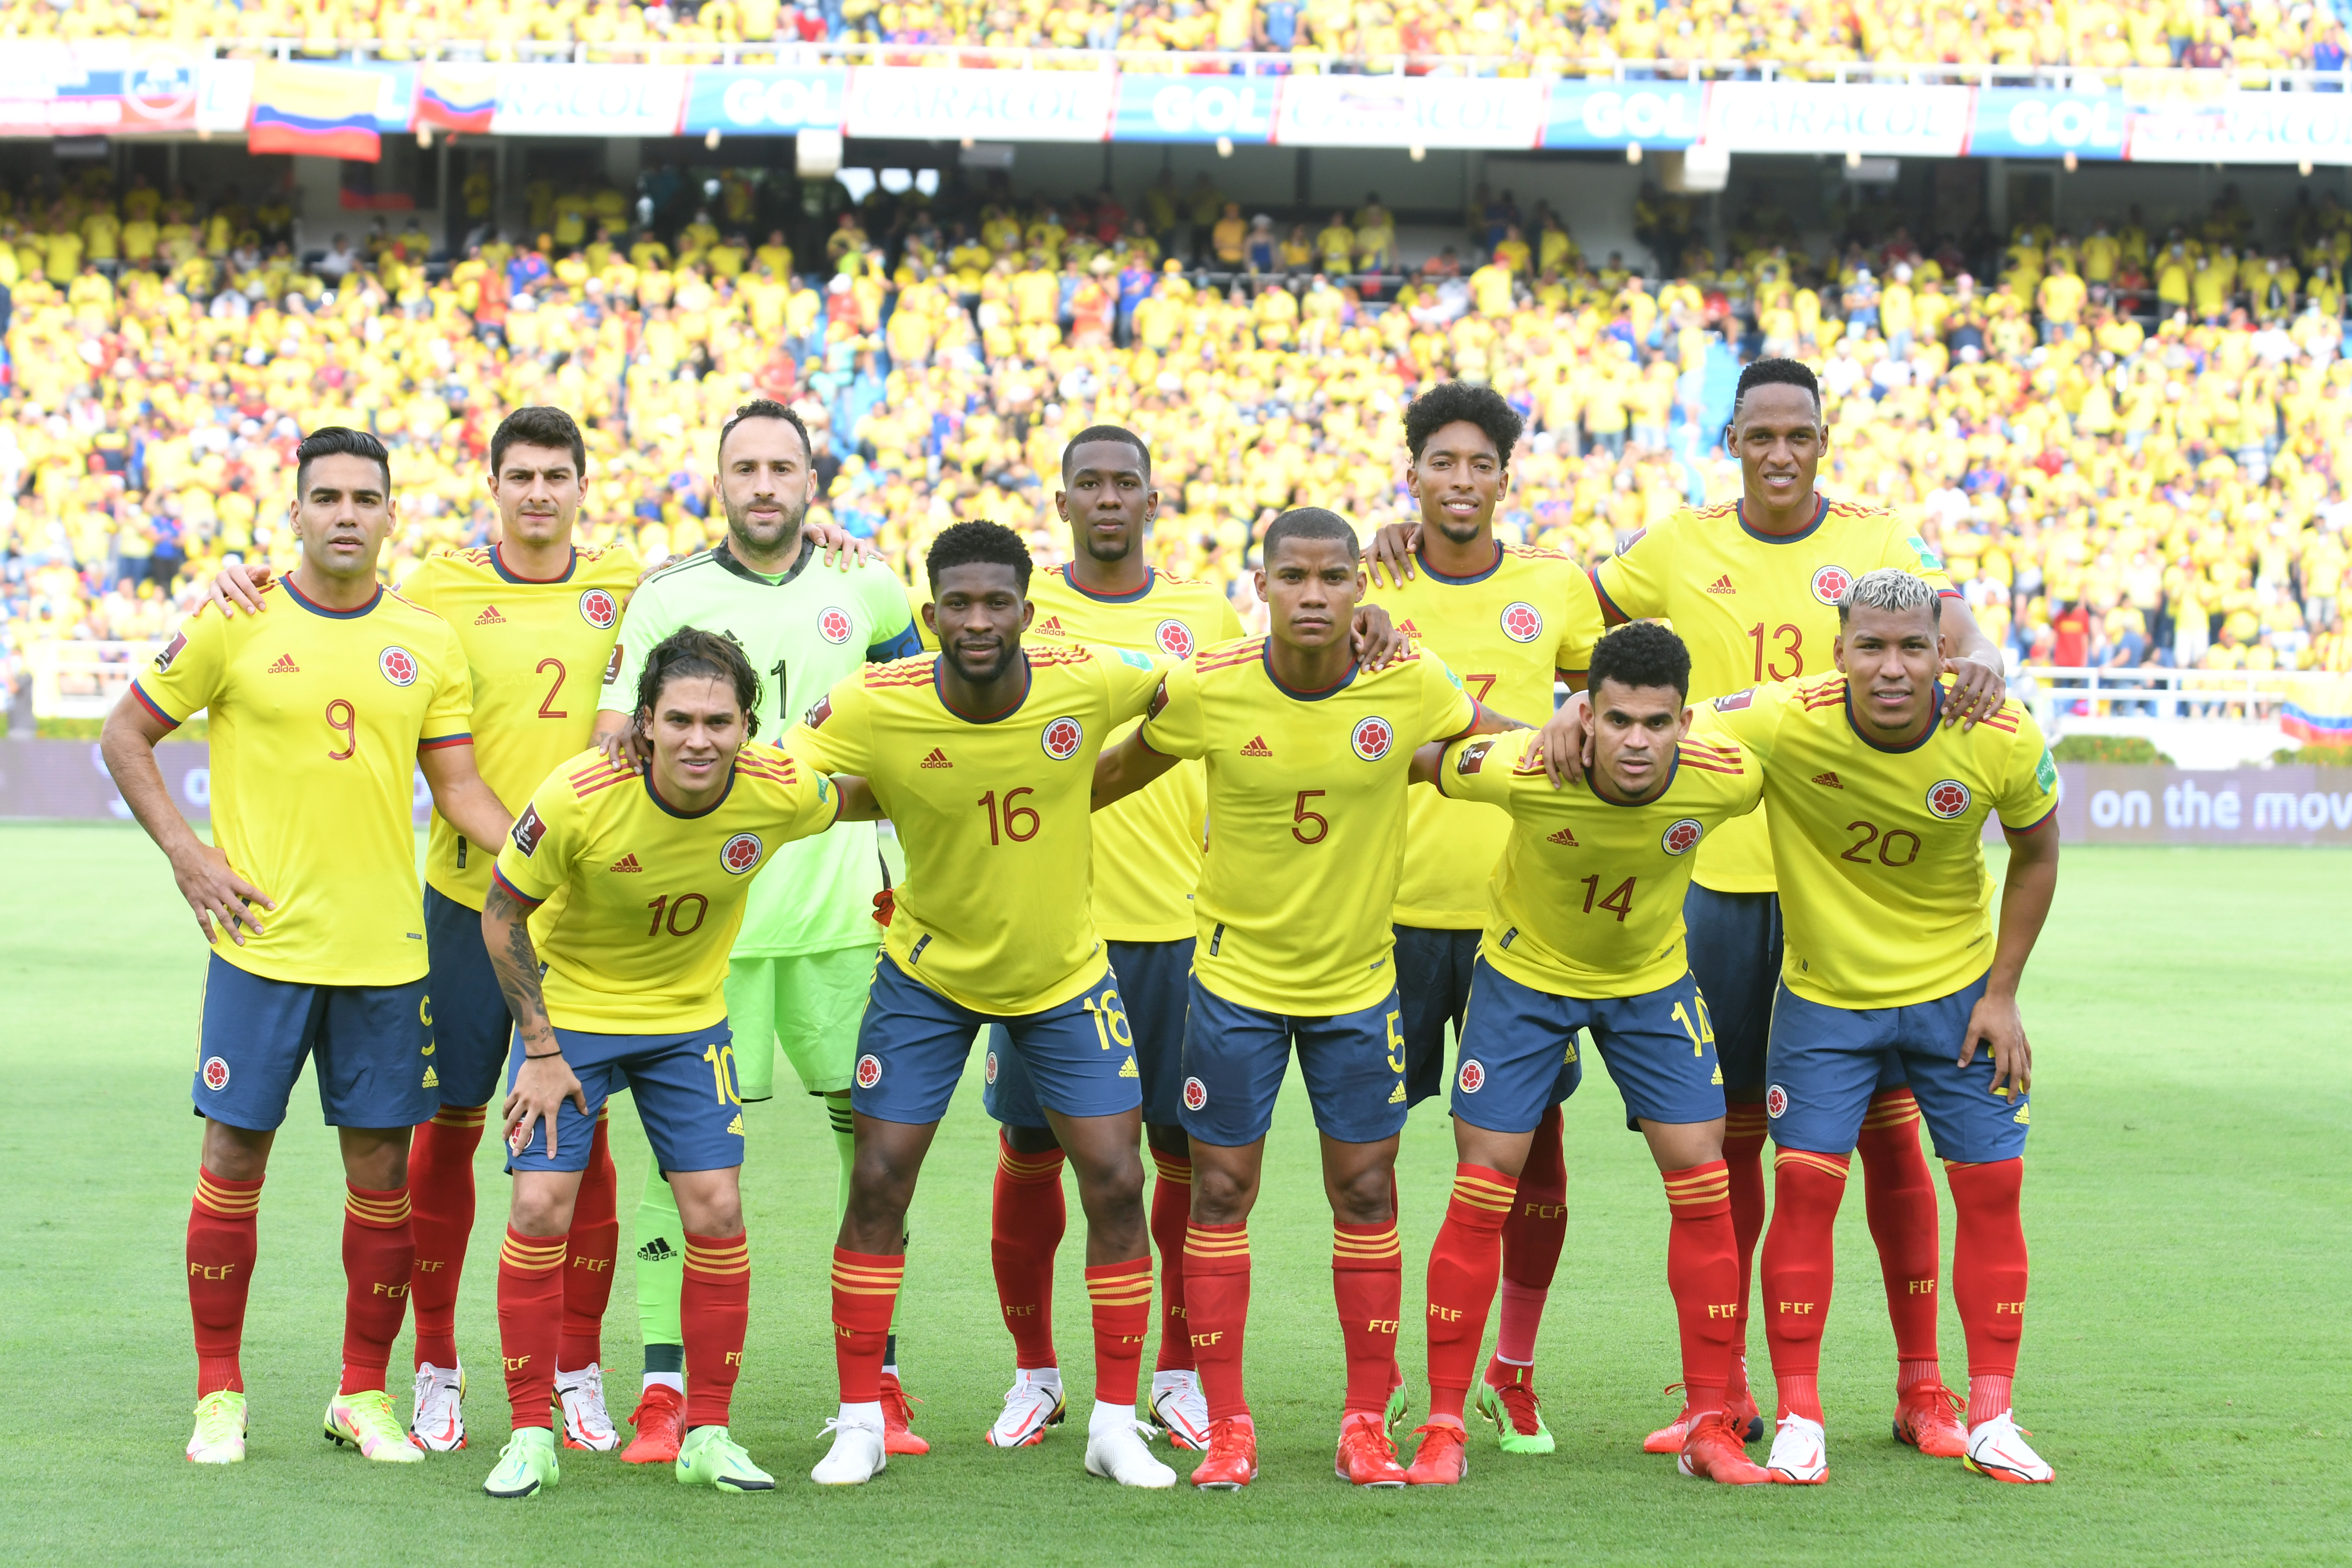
{"x": 321, "y": 111}
{"x": 2319, "y": 711}
{"x": 457, "y": 97}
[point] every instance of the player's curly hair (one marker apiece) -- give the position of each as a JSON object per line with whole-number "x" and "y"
{"x": 691, "y": 651}
{"x": 1774, "y": 372}
{"x": 1642, "y": 653}
{"x": 978, "y": 542}
{"x": 338, "y": 441}
{"x": 539, "y": 425}
{"x": 1456, "y": 401}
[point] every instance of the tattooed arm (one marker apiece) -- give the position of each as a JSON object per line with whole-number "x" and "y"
{"x": 546, "y": 1080}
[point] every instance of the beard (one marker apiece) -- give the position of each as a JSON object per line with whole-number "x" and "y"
{"x": 1103, "y": 550}
{"x": 740, "y": 526}
{"x": 995, "y": 671}
{"x": 1460, "y": 530}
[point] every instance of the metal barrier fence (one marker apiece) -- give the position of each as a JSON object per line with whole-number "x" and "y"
{"x": 85, "y": 679}
{"x": 2146, "y": 691}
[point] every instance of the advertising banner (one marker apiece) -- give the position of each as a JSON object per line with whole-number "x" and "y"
{"x": 904, "y": 103}
{"x": 748, "y": 100}
{"x": 1195, "y": 108}
{"x": 96, "y": 90}
{"x": 2021, "y": 122}
{"x": 2115, "y": 804}
{"x": 1410, "y": 111}
{"x": 590, "y": 100}
{"x": 2245, "y": 128}
{"x": 1817, "y": 117}
{"x": 1662, "y": 114}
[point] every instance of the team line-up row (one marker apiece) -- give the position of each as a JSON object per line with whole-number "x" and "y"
{"x": 1237, "y": 804}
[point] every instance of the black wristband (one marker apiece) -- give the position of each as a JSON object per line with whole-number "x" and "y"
{"x": 543, "y": 1055}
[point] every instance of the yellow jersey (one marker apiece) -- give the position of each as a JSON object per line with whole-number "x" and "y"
{"x": 1307, "y": 818}
{"x": 1507, "y": 631}
{"x": 536, "y": 649}
{"x": 1884, "y": 891}
{"x": 993, "y": 813}
{"x": 1588, "y": 898}
{"x": 634, "y": 903}
{"x": 1755, "y": 607}
{"x": 1147, "y": 845}
{"x": 315, "y": 717}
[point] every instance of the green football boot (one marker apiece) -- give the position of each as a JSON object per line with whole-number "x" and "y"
{"x": 710, "y": 1457}
{"x": 527, "y": 1464}
{"x": 219, "y": 1437}
{"x": 1518, "y": 1415}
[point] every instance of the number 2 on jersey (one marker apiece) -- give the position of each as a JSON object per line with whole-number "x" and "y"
{"x": 547, "y": 707}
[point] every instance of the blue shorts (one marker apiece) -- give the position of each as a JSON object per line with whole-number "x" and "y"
{"x": 683, "y": 1086}
{"x": 372, "y": 1044}
{"x": 1733, "y": 940}
{"x": 1234, "y": 1058}
{"x": 472, "y": 1026}
{"x": 1827, "y": 1061}
{"x": 1433, "y": 969}
{"x": 1154, "y": 979}
{"x": 1518, "y": 1053}
{"x": 913, "y": 1043}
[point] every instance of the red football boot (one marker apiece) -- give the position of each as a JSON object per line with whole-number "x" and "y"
{"x": 660, "y": 1421}
{"x": 1366, "y": 1456}
{"x": 1668, "y": 1439}
{"x": 1232, "y": 1462}
{"x": 1443, "y": 1457}
{"x": 896, "y": 1438}
{"x": 1927, "y": 1418}
{"x": 1713, "y": 1453}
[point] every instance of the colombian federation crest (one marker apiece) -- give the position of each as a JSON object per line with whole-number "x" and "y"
{"x": 1947, "y": 798}
{"x": 833, "y": 624}
{"x": 1522, "y": 622}
{"x": 988, "y": 1067}
{"x": 1776, "y": 1102}
{"x": 739, "y": 854}
{"x": 1175, "y": 640}
{"x": 1373, "y": 739}
{"x": 1678, "y": 837}
{"x": 599, "y": 608}
{"x": 1062, "y": 739}
{"x": 215, "y": 1074}
{"x": 398, "y": 665}
{"x": 1196, "y": 1094}
{"x": 1473, "y": 1076}
{"x": 1831, "y": 582}
{"x": 869, "y": 1071}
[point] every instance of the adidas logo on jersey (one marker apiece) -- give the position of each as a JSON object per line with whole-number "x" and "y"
{"x": 285, "y": 666}
{"x": 489, "y": 617}
{"x": 627, "y": 863}
{"x": 1409, "y": 629}
{"x": 938, "y": 759}
{"x": 1257, "y": 747}
{"x": 1722, "y": 586}
{"x": 1564, "y": 837}
{"x": 1051, "y": 627}
{"x": 1830, "y": 779}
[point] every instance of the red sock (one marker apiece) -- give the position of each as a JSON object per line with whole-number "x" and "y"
{"x": 1026, "y": 1217}
{"x": 379, "y": 1256}
{"x": 441, "y": 1218}
{"x": 864, "y": 1294}
{"x": 1988, "y": 1278}
{"x": 1367, "y": 1283}
{"x": 1532, "y": 1237}
{"x": 530, "y": 1306}
{"x": 1172, "y": 1213}
{"x": 1701, "y": 1257}
{"x": 221, "y": 1247}
{"x": 714, "y": 1304}
{"x": 1900, "y": 1197}
{"x": 1744, "y": 1130}
{"x": 588, "y": 1271}
{"x": 1799, "y": 1266}
{"x": 1121, "y": 1294}
{"x": 1216, "y": 1300}
{"x": 1465, "y": 1262}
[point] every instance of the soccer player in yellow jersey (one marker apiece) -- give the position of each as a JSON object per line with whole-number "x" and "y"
{"x": 1752, "y": 587}
{"x": 318, "y": 716}
{"x": 982, "y": 757}
{"x": 1147, "y": 859}
{"x": 609, "y": 917}
{"x": 1894, "y": 962}
{"x": 1511, "y": 619}
{"x": 1585, "y": 931}
{"x": 1307, "y": 753}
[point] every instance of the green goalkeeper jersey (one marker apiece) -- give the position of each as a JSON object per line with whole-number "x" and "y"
{"x": 804, "y": 632}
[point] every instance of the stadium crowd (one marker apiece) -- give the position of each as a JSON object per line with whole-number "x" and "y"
{"x": 1510, "y": 36}
{"x": 2106, "y": 491}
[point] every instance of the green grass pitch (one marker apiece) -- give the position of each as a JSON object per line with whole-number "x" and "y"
{"x": 2185, "y": 1366}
